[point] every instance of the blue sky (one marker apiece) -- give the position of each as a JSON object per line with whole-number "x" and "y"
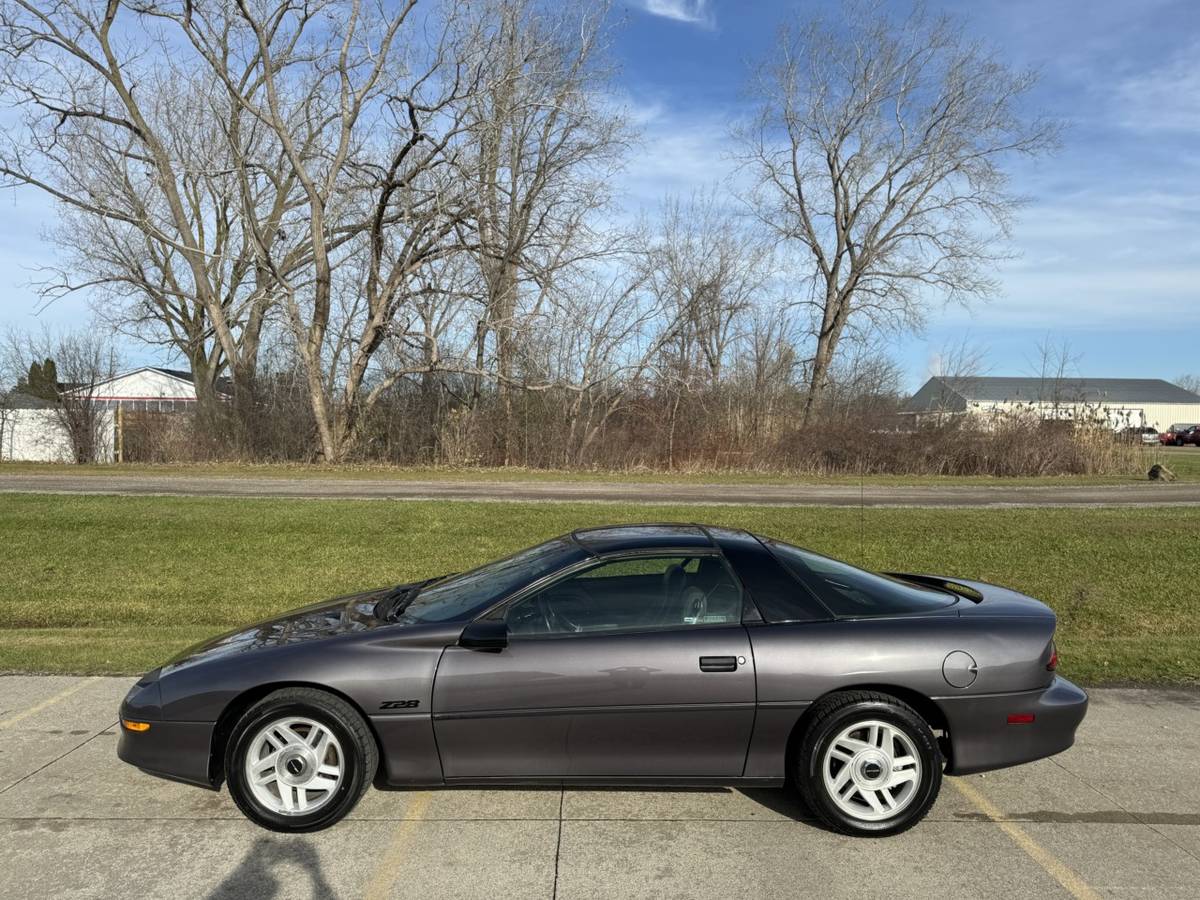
{"x": 1110, "y": 242}
{"x": 1109, "y": 246}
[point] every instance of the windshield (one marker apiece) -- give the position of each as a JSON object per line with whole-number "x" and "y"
{"x": 848, "y": 591}
{"x": 461, "y": 596}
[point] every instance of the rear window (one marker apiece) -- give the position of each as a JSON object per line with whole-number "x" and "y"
{"x": 849, "y": 591}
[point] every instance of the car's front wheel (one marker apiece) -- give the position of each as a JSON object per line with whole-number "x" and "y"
{"x": 868, "y": 764}
{"x": 299, "y": 760}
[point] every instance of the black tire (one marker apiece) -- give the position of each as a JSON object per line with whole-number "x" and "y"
{"x": 837, "y": 712}
{"x": 359, "y": 762}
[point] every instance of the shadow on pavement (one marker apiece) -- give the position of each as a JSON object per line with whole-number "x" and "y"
{"x": 268, "y": 865}
{"x": 785, "y": 801}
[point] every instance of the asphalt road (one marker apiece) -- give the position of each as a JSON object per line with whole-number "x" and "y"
{"x": 1148, "y": 494}
{"x": 1116, "y": 816}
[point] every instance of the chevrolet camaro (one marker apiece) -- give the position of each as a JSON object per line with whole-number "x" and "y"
{"x": 650, "y": 655}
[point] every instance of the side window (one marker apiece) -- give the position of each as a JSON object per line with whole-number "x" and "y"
{"x": 636, "y": 594}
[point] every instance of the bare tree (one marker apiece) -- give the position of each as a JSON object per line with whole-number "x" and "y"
{"x": 607, "y": 332}
{"x": 1056, "y": 366}
{"x": 864, "y": 385}
{"x": 877, "y": 153}
{"x": 171, "y": 195}
{"x": 959, "y": 359}
{"x": 358, "y": 100}
{"x": 769, "y": 363}
{"x": 545, "y": 144}
{"x": 709, "y": 269}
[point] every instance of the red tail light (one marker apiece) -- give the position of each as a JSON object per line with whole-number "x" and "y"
{"x": 1020, "y": 719}
{"x": 1053, "y": 664}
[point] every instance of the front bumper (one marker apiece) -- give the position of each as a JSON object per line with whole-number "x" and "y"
{"x": 981, "y": 737}
{"x": 175, "y": 750}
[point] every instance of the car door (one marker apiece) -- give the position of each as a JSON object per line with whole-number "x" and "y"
{"x": 631, "y": 667}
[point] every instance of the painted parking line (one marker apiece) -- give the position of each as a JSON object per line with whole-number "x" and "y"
{"x": 34, "y": 710}
{"x": 388, "y": 869}
{"x": 1055, "y": 867}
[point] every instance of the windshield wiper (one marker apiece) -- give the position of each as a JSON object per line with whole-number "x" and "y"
{"x": 397, "y": 599}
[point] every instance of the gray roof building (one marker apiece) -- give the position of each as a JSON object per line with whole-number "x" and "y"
{"x": 957, "y": 394}
{"x": 19, "y": 400}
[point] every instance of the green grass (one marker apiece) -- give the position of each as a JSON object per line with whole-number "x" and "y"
{"x": 115, "y": 584}
{"x": 1184, "y": 461}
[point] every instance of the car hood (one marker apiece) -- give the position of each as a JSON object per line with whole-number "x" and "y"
{"x": 318, "y": 621}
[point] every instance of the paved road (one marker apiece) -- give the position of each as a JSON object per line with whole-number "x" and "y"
{"x": 1116, "y": 816}
{"x": 1147, "y": 494}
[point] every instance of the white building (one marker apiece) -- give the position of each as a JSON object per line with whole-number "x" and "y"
{"x": 31, "y": 430}
{"x": 1122, "y": 402}
{"x": 149, "y": 389}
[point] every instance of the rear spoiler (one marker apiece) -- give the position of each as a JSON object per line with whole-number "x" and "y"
{"x": 945, "y": 584}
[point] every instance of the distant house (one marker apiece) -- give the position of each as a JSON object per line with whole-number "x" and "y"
{"x": 30, "y": 428}
{"x": 1121, "y": 402}
{"x": 151, "y": 389}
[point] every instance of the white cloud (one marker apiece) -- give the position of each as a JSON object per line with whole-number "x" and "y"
{"x": 1165, "y": 98}
{"x": 1091, "y": 297}
{"x": 679, "y": 152}
{"x": 694, "y": 12}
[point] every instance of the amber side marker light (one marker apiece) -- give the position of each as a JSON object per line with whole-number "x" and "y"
{"x": 135, "y": 726}
{"x": 1020, "y": 719}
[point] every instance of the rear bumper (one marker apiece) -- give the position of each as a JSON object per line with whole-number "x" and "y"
{"x": 981, "y": 737}
{"x": 175, "y": 750}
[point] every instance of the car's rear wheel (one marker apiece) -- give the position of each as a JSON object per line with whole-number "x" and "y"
{"x": 868, "y": 764}
{"x": 299, "y": 760}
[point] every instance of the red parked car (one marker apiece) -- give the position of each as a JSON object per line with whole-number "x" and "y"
{"x": 1179, "y": 434}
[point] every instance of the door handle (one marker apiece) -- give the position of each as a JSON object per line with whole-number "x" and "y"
{"x": 718, "y": 664}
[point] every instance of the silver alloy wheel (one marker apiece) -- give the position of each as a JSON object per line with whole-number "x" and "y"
{"x": 294, "y": 766}
{"x": 872, "y": 770}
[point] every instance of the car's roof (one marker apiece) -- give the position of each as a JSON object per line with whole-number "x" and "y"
{"x": 609, "y": 538}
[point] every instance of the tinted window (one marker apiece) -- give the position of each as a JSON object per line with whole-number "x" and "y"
{"x": 463, "y": 595}
{"x": 636, "y": 594}
{"x": 776, "y": 593}
{"x": 848, "y": 591}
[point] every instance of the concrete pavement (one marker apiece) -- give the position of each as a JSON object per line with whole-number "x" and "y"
{"x": 1116, "y": 816}
{"x": 1147, "y": 494}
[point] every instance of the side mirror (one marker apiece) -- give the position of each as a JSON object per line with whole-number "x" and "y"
{"x": 491, "y": 637}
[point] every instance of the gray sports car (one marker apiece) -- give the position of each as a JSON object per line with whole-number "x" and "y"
{"x": 631, "y": 655}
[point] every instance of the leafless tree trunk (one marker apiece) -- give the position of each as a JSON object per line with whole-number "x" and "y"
{"x": 877, "y": 152}
{"x": 7, "y": 413}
